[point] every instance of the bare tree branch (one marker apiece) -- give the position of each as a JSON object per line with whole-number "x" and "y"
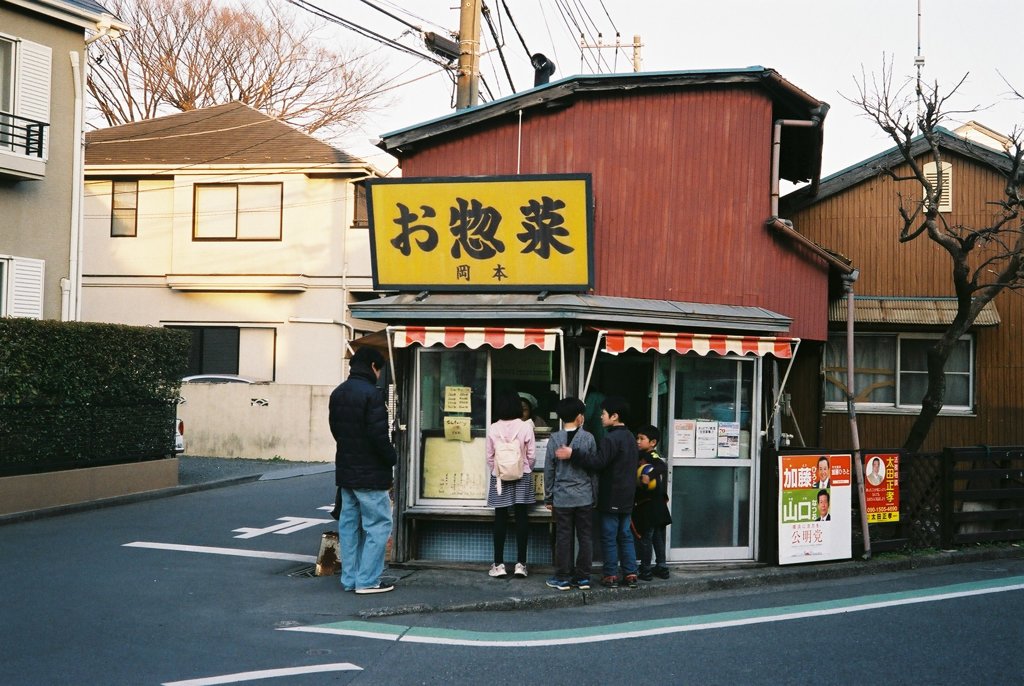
{"x": 189, "y": 54}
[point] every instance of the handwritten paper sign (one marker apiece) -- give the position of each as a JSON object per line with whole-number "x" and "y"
{"x": 457, "y": 429}
{"x": 458, "y": 399}
{"x": 454, "y": 469}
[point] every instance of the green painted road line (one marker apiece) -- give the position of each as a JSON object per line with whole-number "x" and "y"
{"x": 637, "y": 629}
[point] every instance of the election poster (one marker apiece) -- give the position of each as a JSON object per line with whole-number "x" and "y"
{"x": 882, "y": 487}
{"x": 814, "y": 508}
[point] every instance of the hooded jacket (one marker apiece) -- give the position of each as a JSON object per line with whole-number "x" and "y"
{"x": 364, "y": 457}
{"x": 615, "y": 462}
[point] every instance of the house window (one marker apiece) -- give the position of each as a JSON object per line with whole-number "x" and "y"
{"x": 21, "y": 287}
{"x": 240, "y": 211}
{"x": 24, "y": 96}
{"x": 360, "y": 215}
{"x": 214, "y": 349}
{"x": 6, "y": 90}
{"x": 946, "y": 197}
{"x": 890, "y": 372}
{"x": 124, "y": 217}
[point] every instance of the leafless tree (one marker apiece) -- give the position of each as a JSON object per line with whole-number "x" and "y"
{"x": 984, "y": 260}
{"x": 187, "y": 54}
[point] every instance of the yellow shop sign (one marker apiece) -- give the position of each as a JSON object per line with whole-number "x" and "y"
{"x": 488, "y": 233}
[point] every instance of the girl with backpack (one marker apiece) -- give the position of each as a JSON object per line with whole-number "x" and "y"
{"x": 510, "y": 457}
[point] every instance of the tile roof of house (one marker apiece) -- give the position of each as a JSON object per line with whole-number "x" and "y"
{"x": 229, "y": 134}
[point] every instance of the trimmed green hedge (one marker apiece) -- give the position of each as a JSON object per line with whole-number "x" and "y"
{"x": 75, "y": 394}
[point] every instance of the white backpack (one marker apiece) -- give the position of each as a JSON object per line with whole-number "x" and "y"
{"x": 508, "y": 462}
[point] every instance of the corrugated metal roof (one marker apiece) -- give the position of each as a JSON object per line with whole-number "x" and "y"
{"x": 906, "y": 311}
{"x": 228, "y": 134}
{"x": 592, "y": 310}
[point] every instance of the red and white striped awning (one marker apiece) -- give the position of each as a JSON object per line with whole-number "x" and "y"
{"x": 702, "y": 344}
{"x": 474, "y": 336}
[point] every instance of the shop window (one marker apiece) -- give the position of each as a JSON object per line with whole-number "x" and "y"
{"x": 238, "y": 211}
{"x": 455, "y": 388}
{"x": 890, "y": 372}
{"x": 713, "y": 399}
{"x": 125, "y": 204}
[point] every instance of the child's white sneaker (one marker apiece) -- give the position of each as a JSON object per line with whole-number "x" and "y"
{"x": 498, "y": 571}
{"x": 520, "y": 570}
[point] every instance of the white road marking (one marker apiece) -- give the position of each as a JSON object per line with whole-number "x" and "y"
{"x": 615, "y": 632}
{"x": 266, "y": 554}
{"x": 266, "y": 674}
{"x": 289, "y": 525}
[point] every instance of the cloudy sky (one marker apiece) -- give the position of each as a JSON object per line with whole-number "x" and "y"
{"x": 818, "y": 45}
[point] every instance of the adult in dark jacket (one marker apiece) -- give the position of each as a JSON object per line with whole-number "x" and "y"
{"x": 363, "y": 471}
{"x": 615, "y": 463}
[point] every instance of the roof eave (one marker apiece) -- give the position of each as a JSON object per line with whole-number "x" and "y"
{"x": 71, "y": 14}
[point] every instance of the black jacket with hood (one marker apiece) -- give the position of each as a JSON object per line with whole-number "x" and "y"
{"x": 365, "y": 457}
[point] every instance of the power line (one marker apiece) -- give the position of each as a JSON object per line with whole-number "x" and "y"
{"x": 497, "y": 44}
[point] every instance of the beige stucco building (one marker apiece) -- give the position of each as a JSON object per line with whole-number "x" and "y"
{"x": 42, "y": 79}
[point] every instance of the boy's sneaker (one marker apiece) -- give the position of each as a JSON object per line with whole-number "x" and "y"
{"x": 646, "y": 576}
{"x": 582, "y": 584}
{"x": 661, "y": 572}
{"x": 610, "y": 582}
{"x": 630, "y": 580}
{"x": 498, "y": 571}
{"x": 520, "y": 570}
{"x": 559, "y": 584}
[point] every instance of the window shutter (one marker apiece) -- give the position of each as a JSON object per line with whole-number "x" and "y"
{"x": 946, "y": 198}
{"x": 25, "y": 288}
{"x": 32, "y": 86}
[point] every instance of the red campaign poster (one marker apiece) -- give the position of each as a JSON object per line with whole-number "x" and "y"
{"x": 882, "y": 487}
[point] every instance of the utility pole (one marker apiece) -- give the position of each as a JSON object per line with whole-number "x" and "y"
{"x": 468, "y": 87}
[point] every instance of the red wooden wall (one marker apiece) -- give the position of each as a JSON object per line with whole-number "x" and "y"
{"x": 682, "y": 186}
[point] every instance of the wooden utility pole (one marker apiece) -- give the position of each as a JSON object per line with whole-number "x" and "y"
{"x": 468, "y": 87}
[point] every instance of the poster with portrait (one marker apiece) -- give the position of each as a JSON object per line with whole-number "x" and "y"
{"x": 815, "y": 492}
{"x": 882, "y": 487}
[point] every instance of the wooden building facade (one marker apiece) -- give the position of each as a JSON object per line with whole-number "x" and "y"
{"x": 691, "y": 313}
{"x": 903, "y": 300}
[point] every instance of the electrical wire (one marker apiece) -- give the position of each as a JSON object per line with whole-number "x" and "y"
{"x": 497, "y": 44}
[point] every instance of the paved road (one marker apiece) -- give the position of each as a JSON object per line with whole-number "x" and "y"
{"x": 195, "y": 588}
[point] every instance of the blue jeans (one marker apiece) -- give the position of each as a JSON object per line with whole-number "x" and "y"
{"x": 363, "y": 530}
{"x": 617, "y": 544}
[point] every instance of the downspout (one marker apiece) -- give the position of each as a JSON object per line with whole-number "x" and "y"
{"x": 71, "y": 301}
{"x": 858, "y": 466}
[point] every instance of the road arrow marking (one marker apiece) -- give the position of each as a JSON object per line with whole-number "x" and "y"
{"x": 266, "y": 554}
{"x": 266, "y": 674}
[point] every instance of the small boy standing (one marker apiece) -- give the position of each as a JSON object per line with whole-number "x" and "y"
{"x": 569, "y": 494}
{"x": 616, "y": 463}
{"x": 650, "y": 509}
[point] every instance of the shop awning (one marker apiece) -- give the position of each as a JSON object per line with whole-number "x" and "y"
{"x": 474, "y": 336}
{"x": 702, "y": 344}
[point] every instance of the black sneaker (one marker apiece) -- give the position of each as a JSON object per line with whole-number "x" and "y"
{"x": 582, "y": 584}
{"x": 661, "y": 572}
{"x": 646, "y": 576}
{"x": 379, "y": 588}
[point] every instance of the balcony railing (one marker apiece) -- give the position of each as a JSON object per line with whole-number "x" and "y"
{"x": 22, "y": 135}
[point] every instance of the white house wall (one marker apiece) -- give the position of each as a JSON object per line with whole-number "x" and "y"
{"x": 286, "y": 296}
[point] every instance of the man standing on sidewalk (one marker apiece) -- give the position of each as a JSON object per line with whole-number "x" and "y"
{"x": 364, "y": 464}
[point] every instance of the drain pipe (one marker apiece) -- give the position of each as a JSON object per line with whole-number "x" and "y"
{"x": 851, "y": 412}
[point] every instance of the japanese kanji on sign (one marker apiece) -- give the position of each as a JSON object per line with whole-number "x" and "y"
{"x": 495, "y": 233}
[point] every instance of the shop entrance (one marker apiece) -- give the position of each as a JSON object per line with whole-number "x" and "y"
{"x": 705, "y": 408}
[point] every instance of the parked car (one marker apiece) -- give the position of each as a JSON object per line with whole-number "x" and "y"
{"x": 179, "y": 436}
{"x": 218, "y": 378}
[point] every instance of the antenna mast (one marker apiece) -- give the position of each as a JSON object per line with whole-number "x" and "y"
{"x": 919, "y": 60}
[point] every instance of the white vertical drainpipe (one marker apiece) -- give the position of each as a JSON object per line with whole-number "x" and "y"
{"x": 71, "y": 306}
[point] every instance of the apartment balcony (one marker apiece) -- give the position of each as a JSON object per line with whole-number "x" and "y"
{"x": 22, "y": 147}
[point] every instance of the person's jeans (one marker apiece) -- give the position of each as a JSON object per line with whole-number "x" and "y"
{"x": 570, "y": 523}
{"x": 363, "y": 530}
{"x": 617, "y": 544}
{"x": 651, "y": 543}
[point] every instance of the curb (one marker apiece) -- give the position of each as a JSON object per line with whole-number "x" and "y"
{"x": 703, "y": 582}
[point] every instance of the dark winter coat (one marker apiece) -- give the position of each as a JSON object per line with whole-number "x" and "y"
{"x": 615, "y": 462}
{"x": 651, "y": 506}
{"x": 365, "y": 457}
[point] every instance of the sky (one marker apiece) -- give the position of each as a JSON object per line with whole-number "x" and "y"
{"x": 820, "y": 46}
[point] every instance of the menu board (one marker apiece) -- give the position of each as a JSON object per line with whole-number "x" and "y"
{"x": 454, "y": 469}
